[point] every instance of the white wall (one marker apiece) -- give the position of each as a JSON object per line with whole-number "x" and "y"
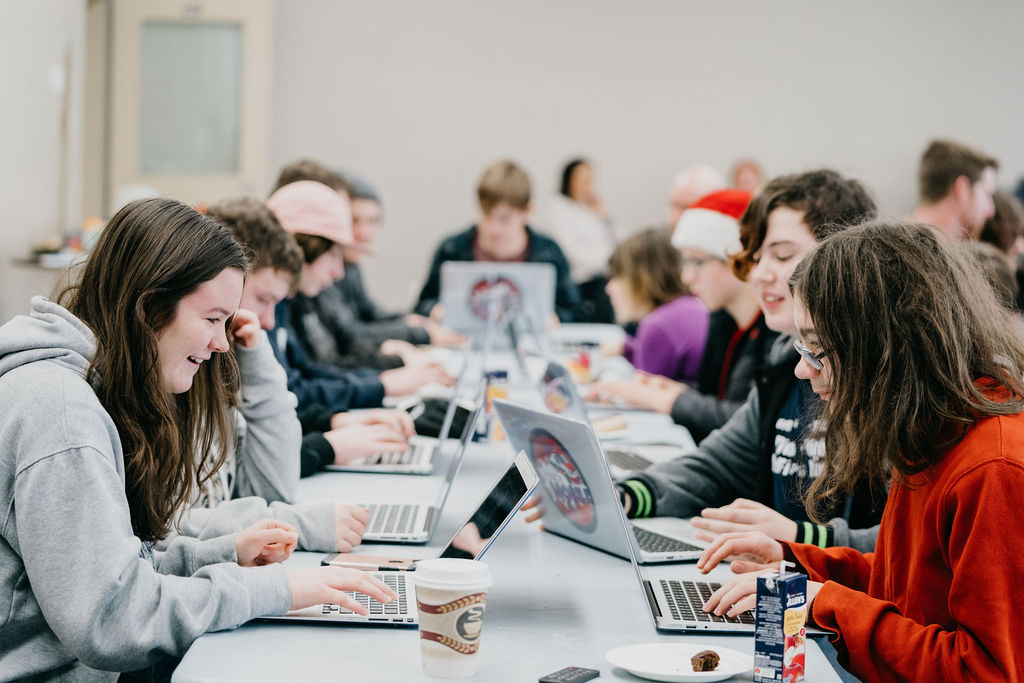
{"x": 421, "y": 96}
{"x": 33, "y": 39}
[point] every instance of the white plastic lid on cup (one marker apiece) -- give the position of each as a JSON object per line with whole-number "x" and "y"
{"x": 449, "y": 573}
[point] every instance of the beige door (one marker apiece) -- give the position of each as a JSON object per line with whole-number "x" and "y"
{"x": 189, "y": 87}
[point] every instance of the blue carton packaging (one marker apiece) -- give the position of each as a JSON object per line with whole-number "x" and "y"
{"x": 780, "y": 627}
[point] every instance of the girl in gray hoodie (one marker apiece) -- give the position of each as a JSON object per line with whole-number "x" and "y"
{"x": 104, "y": 404}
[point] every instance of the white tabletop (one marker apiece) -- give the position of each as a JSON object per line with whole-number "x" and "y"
{"x": 554, "y": 603}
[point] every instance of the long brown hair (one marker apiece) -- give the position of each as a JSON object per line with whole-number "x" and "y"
{"x": 151, "y": 255}
{"x": 911, "y": 326}
{"x": 651, "y": 266}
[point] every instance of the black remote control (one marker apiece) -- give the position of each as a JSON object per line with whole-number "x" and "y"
{"x": 570, "y": 674}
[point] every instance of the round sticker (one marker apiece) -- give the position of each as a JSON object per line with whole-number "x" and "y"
{"x": 563, "y": 480}
{"x": 500, "y": 290}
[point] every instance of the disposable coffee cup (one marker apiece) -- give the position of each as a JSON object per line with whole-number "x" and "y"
{"x": 451, "y": 596}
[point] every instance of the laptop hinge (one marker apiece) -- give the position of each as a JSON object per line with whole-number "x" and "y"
{"x": 431, "y": 515}
{"x": 649, "y": 592}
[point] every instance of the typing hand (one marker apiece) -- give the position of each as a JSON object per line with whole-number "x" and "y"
{"x": 349, "y": 526}
{"x": 359, "y": 441}
{"x": 317, "y": 585}
{"x": 405, "y": 381}
{"x": 750, "y": 546}
{"x": 265, "y": 542}
{"x": 656, "y": 397}
{"x": 740, "y": 594}
{"x": 398, "y": 420}
{"x": 743, "y": 515}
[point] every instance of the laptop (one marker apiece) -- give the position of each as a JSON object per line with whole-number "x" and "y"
{"x": 422, "y": 453}
{"x": 491, "y": 515}
{"x": 581, "y": 504}
{"x": 558, "y": 390}
{"x": 404, "y": 522}
{"x": 473, "y": 292}
{"x": 579, "y": 497}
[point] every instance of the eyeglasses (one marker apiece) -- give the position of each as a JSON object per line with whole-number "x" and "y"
{"x": 813, "y": 359}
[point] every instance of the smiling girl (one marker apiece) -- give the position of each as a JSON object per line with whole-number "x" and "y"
{"x": 113, "y": 415}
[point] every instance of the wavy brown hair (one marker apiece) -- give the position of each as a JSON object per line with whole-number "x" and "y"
{"x": 828, "y": 201}
{"x": 151, "y": 255}
{"x": 911, "y": 326}
{"x": 651, "y": 265}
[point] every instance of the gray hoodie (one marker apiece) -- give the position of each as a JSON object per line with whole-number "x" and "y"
{"x": 79, "y": 590}
{"x": 261, "y": 475}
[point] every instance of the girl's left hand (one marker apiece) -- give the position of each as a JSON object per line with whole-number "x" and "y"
{"x": 265, "y": 542}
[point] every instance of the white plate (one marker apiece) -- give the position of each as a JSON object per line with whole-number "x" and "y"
{"x": 671, "y": 661}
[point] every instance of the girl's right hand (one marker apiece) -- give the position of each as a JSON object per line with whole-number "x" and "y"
{"x": 317, "y": 585}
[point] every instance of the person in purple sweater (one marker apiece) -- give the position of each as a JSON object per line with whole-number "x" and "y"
{"x": 646, "y": 288}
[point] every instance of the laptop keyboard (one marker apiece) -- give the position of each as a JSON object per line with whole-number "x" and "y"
{"x": 390, "y": 518}
{"x": 416, "y": 454}
{"x": 627, "y": 460}
{"x": 686, "y": 599}
{"x": 395, "y": 581}
{"x": 651, "y": 542}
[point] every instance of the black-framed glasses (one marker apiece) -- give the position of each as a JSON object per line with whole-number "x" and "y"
{"x": 813, "y": 359}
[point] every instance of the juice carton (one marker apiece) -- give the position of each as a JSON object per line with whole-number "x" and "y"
{"x": 780, "y": 630}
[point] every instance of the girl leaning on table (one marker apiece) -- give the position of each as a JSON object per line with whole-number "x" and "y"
{"x": 907, "y": 343}
{"x": 106, "y": 403}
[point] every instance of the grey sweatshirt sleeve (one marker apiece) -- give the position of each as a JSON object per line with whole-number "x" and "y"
{"x": 858, "y": 539}
{"x": 314, "y": 520}
{"x": 100, "y": 596}
{"x": 702, "y": 413}
{"x": 268, "y": 449}
{"x": 184, "y": 556}
{"x": 724, "y": 467}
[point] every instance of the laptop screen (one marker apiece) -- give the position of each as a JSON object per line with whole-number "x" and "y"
{"x": 473, "y": 539}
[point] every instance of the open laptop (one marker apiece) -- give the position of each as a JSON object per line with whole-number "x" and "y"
{"x": 558, "y": 390}
{"x": 474, "y": 291}
{"x": 512, "y": 487}
{"x": 581, "y": 504}
{"x": 579, "y": 497}
{"x": 404, "y": 522}
{"x": 423, "y": 451}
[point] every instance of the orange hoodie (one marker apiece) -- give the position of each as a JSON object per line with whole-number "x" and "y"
{"x": 938, "y": 600}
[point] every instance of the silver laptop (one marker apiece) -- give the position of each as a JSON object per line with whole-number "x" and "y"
{"x": 423, "y": 451}
{"x": 559, "y": 392}
{"x": 579, "y": 497}
{"x": 472, "y": 292}
{"x": 512, "y": 487}
{"x": 581, "y": 504}
{"x": 404, "y": 522}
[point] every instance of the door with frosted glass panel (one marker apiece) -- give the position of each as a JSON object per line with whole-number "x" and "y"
{"x": 190, "y": 86}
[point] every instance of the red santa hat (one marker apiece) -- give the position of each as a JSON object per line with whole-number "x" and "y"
{"x": 712, "y": 223}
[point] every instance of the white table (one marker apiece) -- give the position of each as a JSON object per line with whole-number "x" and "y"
{"x": 554, "y": 603}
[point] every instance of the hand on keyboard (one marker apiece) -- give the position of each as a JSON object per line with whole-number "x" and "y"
{"x": 399, "y": 420}
{"x": 359, "y": 442}
{"x": 349, "y": 526}
{"x": 318, "y": 585}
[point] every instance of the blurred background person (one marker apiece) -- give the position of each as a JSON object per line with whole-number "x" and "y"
{"x": 578, "y": 220}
